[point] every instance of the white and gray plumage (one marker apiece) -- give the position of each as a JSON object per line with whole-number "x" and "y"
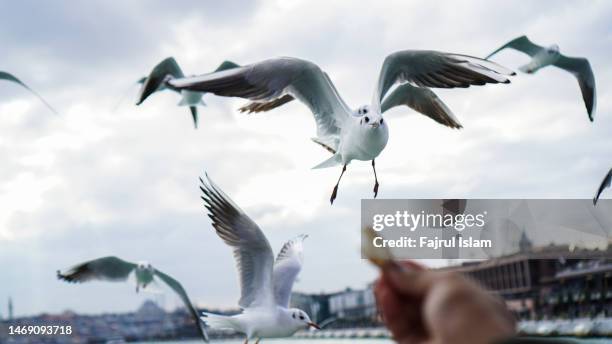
{"x": 10, "y": 77}
{"x": 169, "y": 67}
{"x": 605, "y": 183}
{"x": 265, "y": 283}
{"x": 550, "y": 56}
{"x": 348, "y": 134}
{"x": 113, "y": 269}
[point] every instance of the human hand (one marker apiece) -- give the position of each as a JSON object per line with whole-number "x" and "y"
{"x": 422, "y": 306}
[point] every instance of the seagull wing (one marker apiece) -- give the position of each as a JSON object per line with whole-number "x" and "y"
{"x": 252, "y": 107}
{"x": 605, "y": 183}
{"x": 254, "y": 257}
{"x": 436, "y": 69}
{"x": 178, "y": 288}
{"x": 522, "y": 44}
{"x": 103, "y": 269}
{"x": 155, "y": 81}
{"x": 272, "y": 79}
{"x": 287, "y": 266}
{"x": 225, "y": 65}
{"x": 422, "y": 100}
{"x": 581, "y": 68}
{"x": 10, "y": 77}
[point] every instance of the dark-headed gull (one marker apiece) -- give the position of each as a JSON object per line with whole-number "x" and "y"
{"x": 10, "y": 77}
{"x": 605, "y": 183}
{"x": 550, "y": 56}
{"x": 265, "y": 283}
{"x": 348, "y": 134}
{"x": 114, "y": 269}
{"x": 169, "y": 67}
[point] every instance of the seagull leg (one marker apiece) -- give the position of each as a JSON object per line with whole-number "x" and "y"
{"x": 375, "y": 179}
{"x": 335, "y": 192}
{"x": 246, "y": 340}
{"x": 258, "y": 339}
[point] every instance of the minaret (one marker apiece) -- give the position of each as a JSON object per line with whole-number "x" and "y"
{"x": 10, "y": 308}
{"x": 524, "y": 243}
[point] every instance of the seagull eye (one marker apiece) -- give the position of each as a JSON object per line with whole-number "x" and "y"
{"x": 365, "y": 111}
{"x": 293, "y": 315}
{"x": 301, "y": 317}
{"x": 366, "y": 119}
{"x": 381, "y": 121}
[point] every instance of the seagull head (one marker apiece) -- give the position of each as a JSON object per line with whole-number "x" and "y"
{"x": 145, "y": 267}
{"x": 301, "y": 320}
{"x": 368, "y": 119}
{"x": 553, "y": 49}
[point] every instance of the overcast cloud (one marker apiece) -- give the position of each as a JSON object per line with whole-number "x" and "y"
{"x": 93, "y": 181}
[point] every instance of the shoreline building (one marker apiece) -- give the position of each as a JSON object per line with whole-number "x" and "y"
{"x": 10, "y": 308}
{"x": 548, "y": 282}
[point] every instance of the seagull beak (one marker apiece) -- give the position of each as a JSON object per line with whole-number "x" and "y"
{"x": 311, "y": 324}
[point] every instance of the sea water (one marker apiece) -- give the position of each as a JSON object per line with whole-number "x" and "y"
{"x": 340, "y": 341}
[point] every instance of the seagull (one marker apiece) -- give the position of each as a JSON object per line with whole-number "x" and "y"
{"x": 114, "y": 269}
{"x": 542, "y": 57}
{"x": 605, "y": 183}
{"x": 169, "y": 67}
{"x": 348, "y": 134}
{"x": 265, "y": 283}
{"x": 10, "y": 77}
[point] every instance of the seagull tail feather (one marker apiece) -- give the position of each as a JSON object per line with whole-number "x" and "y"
{"x": 331, "y": 162}
{"x": 219, "y": 321}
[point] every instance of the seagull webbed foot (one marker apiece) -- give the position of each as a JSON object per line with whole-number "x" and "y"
{"x": 375, "y": 179}
{"x": 376, "y": 189}
{"x": 333, "y": 195}
{"x": 335, "y": 192}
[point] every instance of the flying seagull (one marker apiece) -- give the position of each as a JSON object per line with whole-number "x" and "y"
{"x": 114, "y": 269}
{"x": 542, "y": 57}
{"x": 605, "y": 183}
{"x": 169, "y": 67}
{"x": 359, "y": 134}
{"x": 265, "y": 283}
{"x": 10, "y": 77}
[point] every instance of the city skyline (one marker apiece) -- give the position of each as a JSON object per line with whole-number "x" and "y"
{"x": 95, "y": 181}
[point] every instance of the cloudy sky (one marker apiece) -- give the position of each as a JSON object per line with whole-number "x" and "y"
{"x": 97, "y": 181}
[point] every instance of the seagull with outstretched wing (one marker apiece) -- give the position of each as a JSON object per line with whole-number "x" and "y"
{"x": 10, "y": 77}
{"x": 113, "y": 269}
{"x": 348, "y": 134}
{"x": 170, "y": 68}
{"x": 265, "y": 283}
{"x": 605, "y": 183}
{"x": 550, "y": 56}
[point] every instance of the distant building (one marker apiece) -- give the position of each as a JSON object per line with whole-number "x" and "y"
{"x": 10, "y": 308}
{"x": 347, "y": 308}
{"x": 548, "y": 282}
{"x": 353, "y": 304}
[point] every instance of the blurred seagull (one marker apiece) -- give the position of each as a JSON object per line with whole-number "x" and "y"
{"x": 265, "y": 283}
{"x": 542, "y": 57}
{"x": 169, "y": 67}
{"x": 348, "y": 134}
{"x": 10, "y": 77}
{"x": 114, "y": 269}
{"x": 605, "y": 183}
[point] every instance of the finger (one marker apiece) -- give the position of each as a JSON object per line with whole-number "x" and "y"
{"x": 412, "y": 265}
{"x": 402, "y": 315}
{"x": 410, "y": 282}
